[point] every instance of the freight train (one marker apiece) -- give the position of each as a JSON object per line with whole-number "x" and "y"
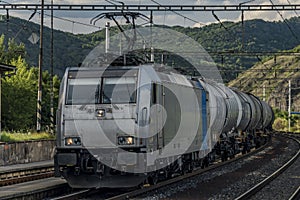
{"x": 124, "y": 126}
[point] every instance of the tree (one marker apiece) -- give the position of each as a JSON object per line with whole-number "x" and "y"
{"x": 19, "y": 92}
{"x": 12, "y": 52}
{"x": 19, "y": 98}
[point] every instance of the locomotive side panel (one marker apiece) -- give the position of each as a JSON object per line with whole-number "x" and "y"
{"x": 158, "y": 115}
{"x": 203, "y": 139}
{"x": 182, "y": 129}
{"x": 173, "y": 112}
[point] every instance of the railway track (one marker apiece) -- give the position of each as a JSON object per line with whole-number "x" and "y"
{"x": 186, "y": 176}
{"x": 20, "y": 175}
{"x": 117, "y": 195}
{"x": 234, "y": 179}
{"x": 146, "y": 189}
{"x": 254, "y": 192}
{"x": 295, "y": 195}
{"x": 38, "y": 189}
{"x": 74, "y": 195}
{"x": 30, "y": 181}
{"x": 155, "y": 192}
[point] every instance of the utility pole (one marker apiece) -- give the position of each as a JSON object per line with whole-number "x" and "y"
{"x": 289, "y": 106}
{"x": 0, "y": 104}
{"x": 39, "y": 97}
{"x": 264, "y": 92}
{"x": 51, "y": 77}
{"x": 107, "y": 37}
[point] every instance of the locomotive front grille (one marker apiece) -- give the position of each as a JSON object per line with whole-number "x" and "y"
{"x": 67, "y": 159}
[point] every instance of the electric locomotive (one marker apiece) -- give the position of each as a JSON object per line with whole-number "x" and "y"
{"x": 122, "y": 126}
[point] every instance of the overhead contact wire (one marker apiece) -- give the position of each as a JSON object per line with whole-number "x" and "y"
{"x": 287, "y": 24}
{"x": 177, "y": 13}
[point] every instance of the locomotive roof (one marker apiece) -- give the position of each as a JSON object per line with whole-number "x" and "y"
{"x": 102, "y": 72}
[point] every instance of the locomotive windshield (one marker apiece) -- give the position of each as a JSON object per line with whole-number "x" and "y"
{"x": 119, "y": 90}
{"x": 91, "y": 91}
{"x": 83, "y": 91}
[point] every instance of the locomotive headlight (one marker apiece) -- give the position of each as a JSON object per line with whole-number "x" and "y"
{"x": 72, "y": 141}
{"x": 69, "y": 141}
{"x": 100, "y": 113}
{"x": 125, "y": 140}
{"x": 129, "y": 140}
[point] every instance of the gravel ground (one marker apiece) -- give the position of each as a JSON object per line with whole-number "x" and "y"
{"x": 235, "y": 178}
{"x": 283, "y": 186}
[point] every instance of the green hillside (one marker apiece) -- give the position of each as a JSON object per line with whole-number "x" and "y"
{"x": 69, "y": 49}
{"x": 253, "y": 36}
{"x": 19, "y": 91}
{"x": 274, "y": 75}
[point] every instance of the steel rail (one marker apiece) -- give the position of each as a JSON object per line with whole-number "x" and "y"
{"x": 232, "y": 53}
{"x": 73, "y": 195}
{"x": 126, "y": 195}
{"x": 255, "y": 189}
{"x": 209, "y": 8}
{"x": 26, "y": 178}
{"x": 295, "y": 195}
{"x": 186, "y": 176}
{"x": 14, "y": 176}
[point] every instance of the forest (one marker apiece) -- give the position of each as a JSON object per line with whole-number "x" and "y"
{"x": 19, "y": 92}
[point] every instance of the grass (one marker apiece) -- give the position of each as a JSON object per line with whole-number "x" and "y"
{"x": 19, "y": 137}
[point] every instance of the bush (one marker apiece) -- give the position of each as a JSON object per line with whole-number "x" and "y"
{"x": 19, "y": 137}
{"x": 280, "y": 124}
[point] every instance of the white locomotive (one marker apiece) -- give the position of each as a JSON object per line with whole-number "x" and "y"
{"x": 124, "y": 126}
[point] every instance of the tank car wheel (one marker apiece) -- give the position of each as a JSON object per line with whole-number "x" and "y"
{"x": 153, "y": 179}
{"x": 166, "y": 175}
{"x": 182, "y": 171}
{"x": 205, "y": 162}
{"x": 143, "y": 184}
{"x": 191, "y": 167}
{"x": 224, "y": 157}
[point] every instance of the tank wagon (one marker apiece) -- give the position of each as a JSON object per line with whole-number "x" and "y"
{"x": 110, "y": 122}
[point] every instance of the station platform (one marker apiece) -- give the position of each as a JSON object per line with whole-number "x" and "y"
{"x": 22, "y": 190}
{"x": 35, "y": 189}
{"x": 25, "y": 166}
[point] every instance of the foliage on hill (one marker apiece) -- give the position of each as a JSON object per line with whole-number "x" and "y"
{"x": 251, "y": 36}
{"x": 69, "y": 48}
{"x": 19, "y": 91}
{"x": 272, "y": 76}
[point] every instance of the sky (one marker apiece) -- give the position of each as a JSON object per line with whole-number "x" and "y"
{"x": 79, "y": 21}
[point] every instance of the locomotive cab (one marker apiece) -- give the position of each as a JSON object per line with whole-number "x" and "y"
{"x": 98, "y": 116}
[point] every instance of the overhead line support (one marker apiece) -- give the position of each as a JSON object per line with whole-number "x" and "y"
{"x": 210, "y": 8}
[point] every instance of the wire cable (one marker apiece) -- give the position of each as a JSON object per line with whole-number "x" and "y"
{"x": 294, "y": 10}
{"x": 217, "y": 18}
{"x": 177, "y": 13}
{"x": 24, "y": 25}
{"x": 284, "y": 20}
{"x": 120, "y": 2}
{"x": 60, "y": 18}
